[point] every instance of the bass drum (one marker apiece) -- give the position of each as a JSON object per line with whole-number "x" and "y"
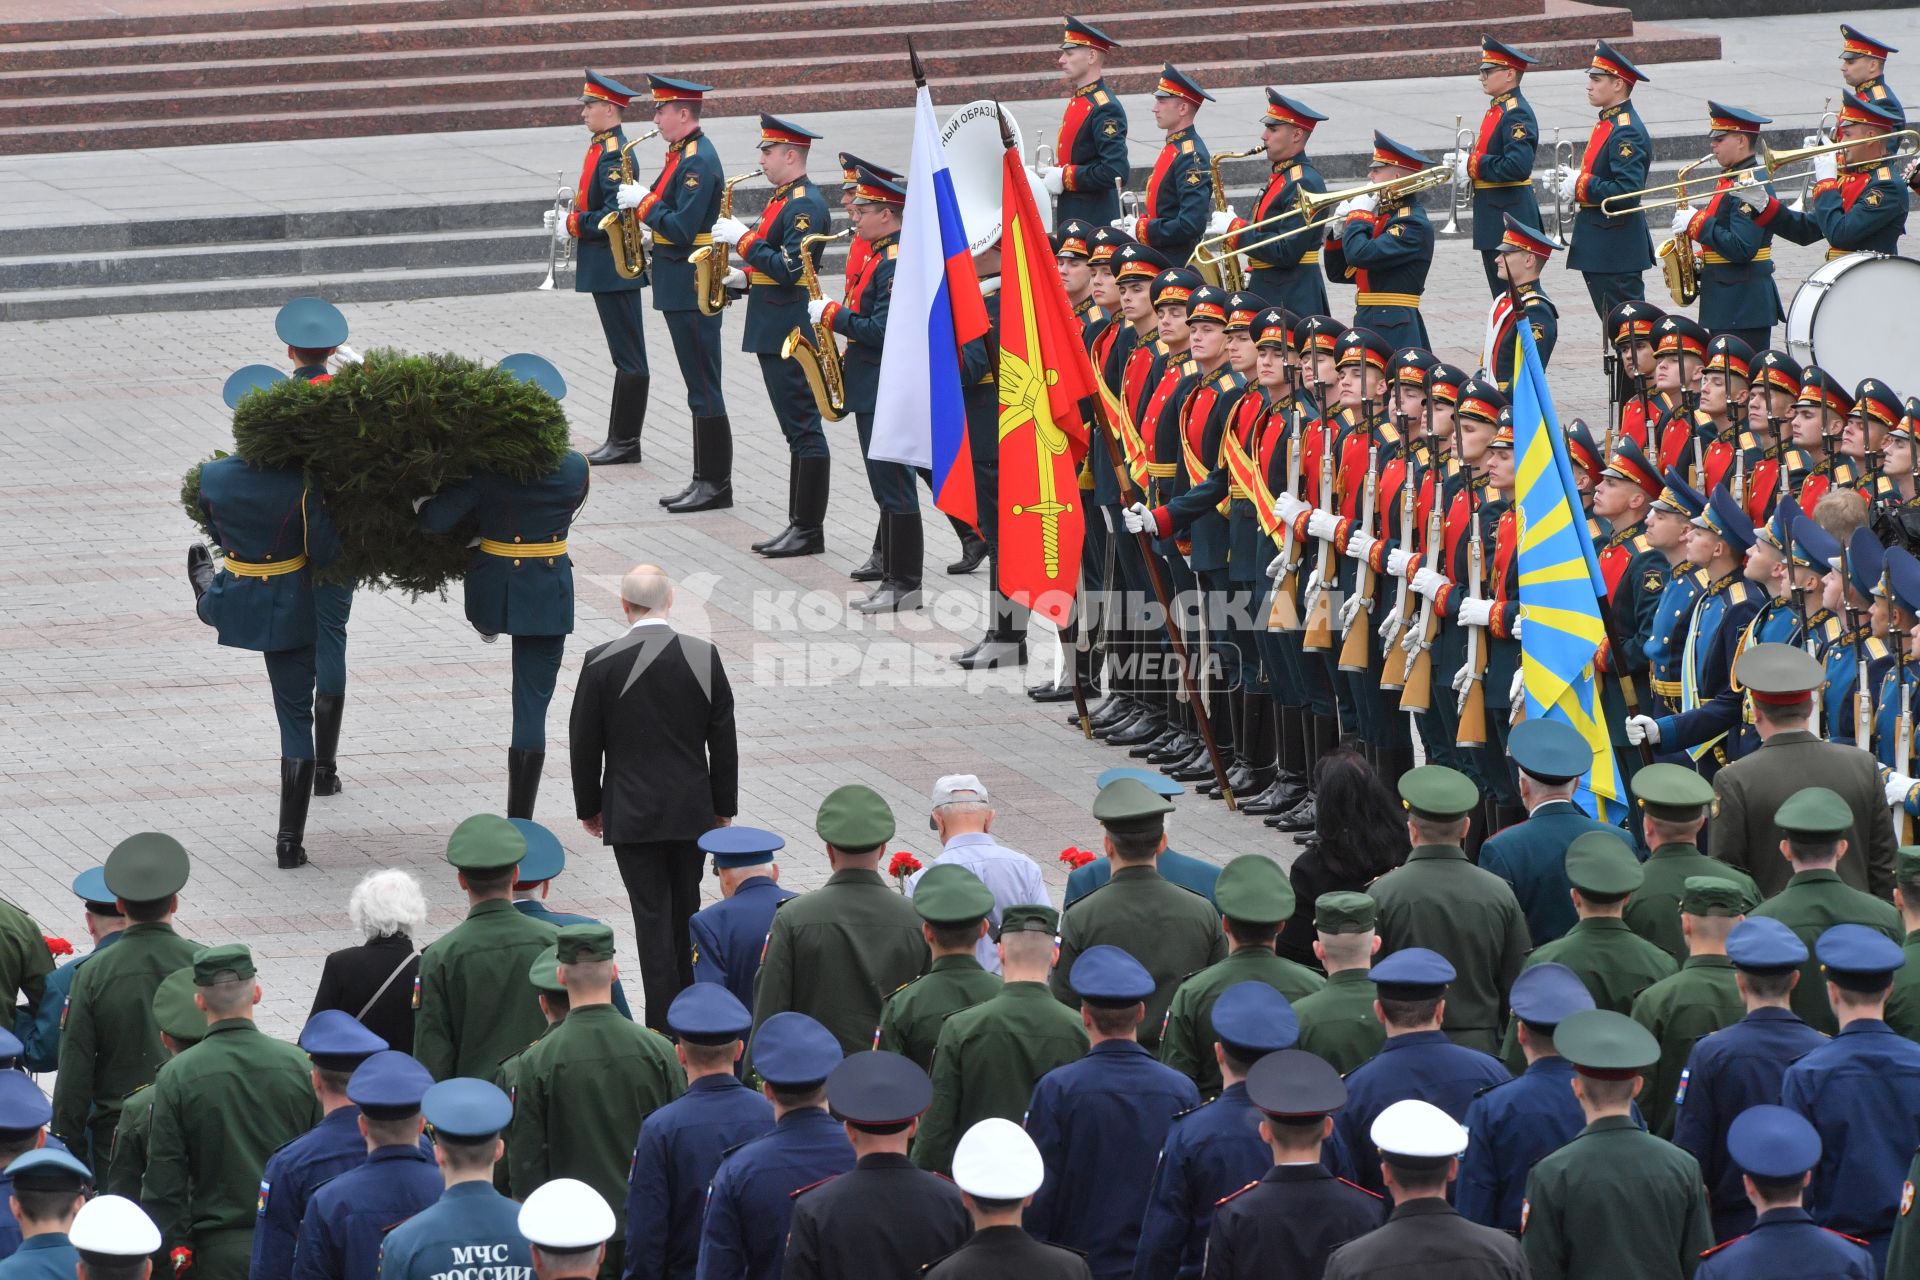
{"x": 1854, "y": 317}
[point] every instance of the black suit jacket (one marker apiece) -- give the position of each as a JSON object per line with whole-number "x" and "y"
{"x": 652, "y": 737}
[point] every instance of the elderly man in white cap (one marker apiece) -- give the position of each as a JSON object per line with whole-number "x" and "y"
{"x": 997, "y": 1168}
{"x": 1420, "y": 1147}
{"x": 568, "y": 1224}
{"x": 115, "y": 1239}
{"x": 963, "y": 815}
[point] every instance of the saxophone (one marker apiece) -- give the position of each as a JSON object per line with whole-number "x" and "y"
{"x": 628, "y": 245}
{"x": 1224, "y": 271}
{"x": 710, "y": 260}
{"x": 819, "y": 358}
{"x": 1677, "y": 262}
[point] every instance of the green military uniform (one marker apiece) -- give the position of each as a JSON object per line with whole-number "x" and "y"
{"x": 506, "y": 1077}
{"x": 1903, "y": 1002}
{"x": 218, "y": 1113}
{"x": 1171, "y": 931}
{"x": 1673, "y": 794}
{"x": 1615, "y": 1201}
{"x": 182, "y": 1021}
{"x": 1815, "y": 900}
{"x": 836, "y": 953}
{"x": 472, "y": 1003}
{"x": 911, "y": 1019}
{"x": 111, "y": 1045}
{"x": 989, "y": 1057}
{"x": 25, "y": 960}
{"x": 582, "y": 1092}
{"x": 1337, "y": 1022}
{"x": 1440, "y": 901}
{"x": 1696, "y": 1002}
{"x": 1253, "y": 890}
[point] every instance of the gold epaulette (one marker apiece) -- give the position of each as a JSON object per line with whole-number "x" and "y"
{"x": 1186, "y": 148}
{"x": 1100, "y": 98}
{"x": 1877, "y": 648}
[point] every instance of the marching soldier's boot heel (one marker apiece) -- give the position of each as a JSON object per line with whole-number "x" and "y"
{"x": 296, "y": 791}
{"x": 712, "y": 488}
{"x": 327, "y": 711}
{"x": 807, "y": 535}
{"x": 523, "y": 781}
{"x": 625, "y": 417}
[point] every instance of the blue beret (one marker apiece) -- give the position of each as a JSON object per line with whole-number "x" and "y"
{"x": 466, "y": 1108}
{"x": 1762, "y": 944}
{"x": 247, "y": 378}
{"x": 1849, "y": 951}
{"x": 312, "y": 323}
{"x": 1773, "y": 1142}
{"x": 1420, "y": 973}
{"x": 22, "y": 1105}
{"x": 1152, "y": 779}
{"x": 389, "y": 1085}
{"x": 1550, "y": 750}
{"x": 544, "y": 858}
{"x": 741, "y": 846}
{"x": 877, "y": 1089}
{"x": 1253, "y": 1019}
{"x": 792, "y": 1050}
{"x": 337, "y": 1041}
{"x": 538, "y": 370}
{"x": 48, "y": 1169}
{"x": 1546, "y": 994}
{"x": 1106, "y": 975}
{"x": 708, "y": 1013}
{"x": 91, "y": 885}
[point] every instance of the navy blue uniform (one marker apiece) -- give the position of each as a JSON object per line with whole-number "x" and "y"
{"x": 616, "y": 298}
{"x": 1209, "y": 1154}
{"x": 1612, "y": 252}
{"x": 1386, "y": 254}
{"x": 1178, "y": 202}
{"x": 1710, "y": 704}
{"x": 1099, "y": 1124}
{"x": 1417, "y": 1064}
{"x": 729, "y": 936}
{"x": 49, "y": 1256}
{"x": 559, "y": 920}
{"x": 1288, "y": 1223}
{"x": 1182, "y": 869}
{"x": 1091, "y": 150}
{"x": 470, "y": 1225}
{"x": 777, "y": 305}
{"x": 519, "y": 581}
{"x": 1785, "y": 1244}
{"x": 744, "y": 1233}
{"x": 1286, "y": 273}
{"x": 275, "y": 532}
{"x": 680, "y": 1147}
{"x": 1501, "y": 169}
{"x": 1512, "y": 1126}
{"x": 680, "y": 209}
{"x": 9, "y": 1227}
{"x": 1861, "y": 1090}
{"x": 348, "y": 1218}
{"x": 1532, "y": 857}
{"x": 293, "y": 1173}
{"x": 862, "y": 321}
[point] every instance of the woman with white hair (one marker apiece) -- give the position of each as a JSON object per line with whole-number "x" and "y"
{"x": 374, "y": 981}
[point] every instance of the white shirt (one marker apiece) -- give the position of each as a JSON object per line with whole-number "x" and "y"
{"x": 1013, "y": 877}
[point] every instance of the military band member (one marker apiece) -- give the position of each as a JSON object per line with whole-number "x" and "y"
{"x": 678, "y": 214}
{"x": 1611, "y": 251}
{"x": 1090, "y": 152}
{"x": 1179, "y": 195}
{"x": 1866, "y": 209}
{"x": 615, "y": 297}
{"x": 1863, "y": 65}
{"x": 1284, "y": 271}
{"x": 1518, "y": 261}
{"x": 275, "y": 533}
{"x": 1384, "y": 249}
{"x": 1500, "y": 165}
{"x": 1737, "y": 294}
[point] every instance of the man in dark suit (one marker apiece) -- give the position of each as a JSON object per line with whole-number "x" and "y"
{"x": 655, "y": 765}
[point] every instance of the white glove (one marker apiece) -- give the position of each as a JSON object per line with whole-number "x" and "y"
{"x": 1362, "y": 204}
{"x": 730, "y": 230}
{"x": 1311, "y": 596}
{"x": 1124, "y": 223}
{"x": 1752, "y": 195}
{"x": 1682, "y": 216}
{"x": 1138, "y": 519}
{"x": 1429, "y": 583}
{"x": 1055, "y": 179}
{"x": 1289, "y": 507}
{"x": 1349, "y": 610}
{"x": 1463, "y": 680}
{"x": 421, "y": 502}
{"x": 736, "y": 278}
{"x": 646, "y": 235}
{"x": 1361, "y": 544}
{"x": 1519, "y": 624}
{"x": 1397, "y": 562}
{"x": 1475, "y": 612}
{"x": 1322, "y": 524}
{"x": 1277, "y": 566}
{"x": 815, "y": 309}
{"x": 1457, "y": 161}
{"x": 347, "y": 354}
{"x": 1516, "y": 693}
{"x": 1643, "y": 729}
{"x": 1812, "y": 140}
{"x": 630, "y": 195}
{"x": 1564, "y": 182}
{"x": 1898, "y": 785}
{"x": 1390, "y": 629}
{"x": 1220, "y": 222}
{"x": 550, "y": 221}
{"x": 1826, "y": 166}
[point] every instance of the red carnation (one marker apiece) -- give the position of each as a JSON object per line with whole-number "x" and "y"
{"x": 59, "y": 946}
{"x": 1077, "y": 858}
{"x": 902, "y": 865}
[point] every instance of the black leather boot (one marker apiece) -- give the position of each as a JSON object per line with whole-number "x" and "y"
{"x": 712, "y": 488}
{"x": 199, "y": 569}
{"x": 903, "y": 553}
{"x": 807, "y": 536}
{"x": 793, "y": 482}
{"x": 872, "y": 567}
{"x": 625, "y": 418}
{"x": 296, "y": 792}
{"x": 1146, "y": 727}
{"x": 973, "y": 547}
{"x": 1005, "y": 643}
{"x": 327, "y": 710}
{"x": 523, "y": 781}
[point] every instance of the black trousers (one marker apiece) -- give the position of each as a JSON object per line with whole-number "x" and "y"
{"x": 663, "y": 886}
{"x": 620, "y": 320}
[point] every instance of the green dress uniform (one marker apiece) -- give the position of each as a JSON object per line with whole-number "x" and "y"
{"x": 1440, "y": 901}
{"x": 1903, "y": 1002}
{"x": 472, "y": 1003}
{"x": 1186, "y": 1037}
{"x": 910, "y": 1021}
{"x": 1170, "y": 930}
{"x": 1654, "y": 910}
{"x": 1337, "y": 1022}
{"x": 1614, "y": 962}
{"x": 25, "y": 960}
{"x": 127, "y": 1162}
{"x": 1681, "y": 1010}
{"x": 1813, "y": 902}
{"x": 1745, "y": 831}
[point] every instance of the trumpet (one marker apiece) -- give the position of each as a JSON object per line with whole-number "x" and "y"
{"x": 559, "y": 244}
{"x": 1462, "y": 144}
{"x": 1310, "y": 204}
{"x": 1768, "y": 165}
{"x": 1562, "y": 207}
{"x": 1042, "y": 156}
{"x": 1222, "y": 270}
{"x": 622, "y": 226}
{"x": 820, "y": 358}
{"x": 710, "y": 260}
{"x": 1129, "y": 203}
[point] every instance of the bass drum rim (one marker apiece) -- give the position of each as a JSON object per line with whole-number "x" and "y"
{"x": 1803, "y": 338}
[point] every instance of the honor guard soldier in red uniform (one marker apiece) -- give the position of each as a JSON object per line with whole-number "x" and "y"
{"x": 1090, "y": 152}
{"x": 1522, "y": 255}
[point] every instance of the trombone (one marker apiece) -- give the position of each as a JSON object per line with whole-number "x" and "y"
{"x": 1310, "y": 205}
{"x": 1768, "y": 165}
{"x": 1462, "y": 144}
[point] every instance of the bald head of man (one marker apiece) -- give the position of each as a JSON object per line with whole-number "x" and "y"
{"x": 646, "y": 592}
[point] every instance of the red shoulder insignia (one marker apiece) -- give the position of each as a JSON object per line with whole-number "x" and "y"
{"x": 1708, "y": 1253}
{"x": 1844, "y": 1236}
{"x": 1232, "y": 1194}
{"x": 1357, "y": 1187}
{"x": 797, "y": 1192}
